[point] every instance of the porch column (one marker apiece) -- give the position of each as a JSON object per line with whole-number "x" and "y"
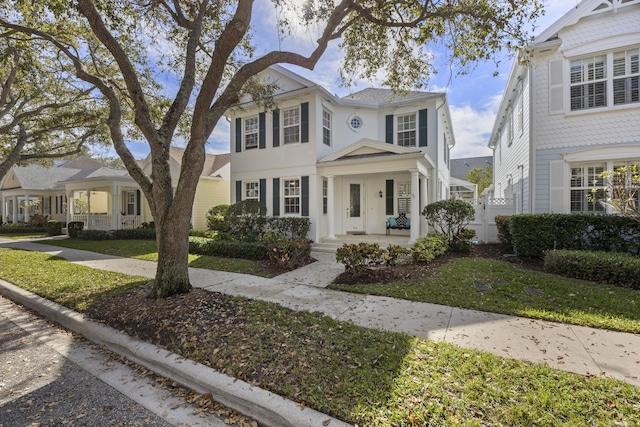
{"x": 415, "y": 207}
{"x": 114, "y": 208}
{"x": 88, "y": 209}
{"x": 424, "y": 201}
{"x": 27, "y": 216}
{"x": 330, "y": 209}
{"x": 14, "y": 216}
{"x": 69, "y": 206}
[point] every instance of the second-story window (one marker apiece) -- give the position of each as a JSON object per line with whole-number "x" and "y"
{"x": 326, "y": 127}
{"x": 407, "y": 130}
{"x": 589, "y": 82}
{"x": 626, "y": 73}
{"x": 291, "y": 125}
{"x": 251, "y": 133}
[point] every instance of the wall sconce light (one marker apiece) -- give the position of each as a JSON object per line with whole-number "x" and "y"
{"x": 380, "y": 194}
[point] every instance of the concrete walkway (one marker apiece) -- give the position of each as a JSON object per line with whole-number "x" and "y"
{"x": 577, "y": 349}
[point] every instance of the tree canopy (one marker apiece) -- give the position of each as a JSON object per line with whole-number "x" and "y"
{"x": 45, "y": 111}
{"x": 482, "y": 177}
{"x": 126, "y": 49}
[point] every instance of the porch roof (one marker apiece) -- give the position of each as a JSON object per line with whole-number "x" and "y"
{"x": 366, "y": 156}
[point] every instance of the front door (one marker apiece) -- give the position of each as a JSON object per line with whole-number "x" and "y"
{"x": 355, "y": 208}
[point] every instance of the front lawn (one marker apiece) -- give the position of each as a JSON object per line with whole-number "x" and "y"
{"x": 500, "y": 287}
{"x": 146, "y": 250}
{"x": 364, "y": 376}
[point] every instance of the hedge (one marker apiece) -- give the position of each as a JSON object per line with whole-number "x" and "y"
{"x": 227, "y": 248}
{"x": 21, "y": 229}
{"x": 534, "y": 234}
{"x": 615, "y": 268}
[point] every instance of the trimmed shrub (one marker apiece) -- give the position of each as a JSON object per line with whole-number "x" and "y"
{"x": 394, "y": 254}
{"x": 227, "y": 248}
{"x": 504, "y": 233}
{"x": 450, "y": 217}
{"x": 285, "y": 252}
{"x": 218, "y": 219}
{"x": 247, "y": 220}
{"x": 534, "y": 234}
{"x": 74, "y": 228}
{"x": 359, "y": 255}
{"x": 614, "y": 268}
{"x": 430, "y": 247}
{"x": 293, "y": 227}
{"x": 38, "y": 221}
{"x": 54, "y": 228}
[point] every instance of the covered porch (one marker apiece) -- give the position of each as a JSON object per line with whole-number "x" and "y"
{"x": 368, "y": 182}
{"x": 106, "y": 203}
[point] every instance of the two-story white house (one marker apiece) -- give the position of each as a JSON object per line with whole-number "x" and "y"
{"x": 346, "y": 163}
{"x": 572, "y": 112}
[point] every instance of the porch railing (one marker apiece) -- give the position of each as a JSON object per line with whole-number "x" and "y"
{"x": 103, "y": 222}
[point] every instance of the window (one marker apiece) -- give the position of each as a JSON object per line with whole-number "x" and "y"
{"x": 46, "y": 206}
{"x": 251, "y": 133}
{"x": 520, "y": 108}
{"x": 407, "y": 130}
{"x": 130, "y": 203}
{"x": 291, "y": 125}
{"x": 509, "y": 128}
{"x": 252, "y": 190}
{"x": 588, "y": 82}
{"x": 625, "y": 77}
{"x": 583, "y": 179}
{"x": 325, "y": 196}
{"x": 355, "y": 122}
{"x": 291, "y": 196}
{"x": 404, "y": 197}
{"x": 326, "y": 128}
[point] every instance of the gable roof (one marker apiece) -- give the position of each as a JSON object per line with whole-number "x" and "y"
{"x": 379, "y": 96}
{"x": 38, "y": 177}
{"x": 583, "y": 9}
{"x": 82, "y": 162}
{"x": 460, "y": 167}
{"x": 369, "y": 148}
{"x": 212, "y": 162}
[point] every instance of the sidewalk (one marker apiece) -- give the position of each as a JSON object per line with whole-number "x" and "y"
{"x": 577, "y": 349}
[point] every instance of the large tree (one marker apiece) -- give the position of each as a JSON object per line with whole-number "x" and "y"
{"x": 482, "y": 177}
{"x": 208, "y": 45}
{"x": 46, "y": 112}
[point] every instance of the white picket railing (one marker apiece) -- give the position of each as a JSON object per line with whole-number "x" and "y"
{"x": 104, "y": 222}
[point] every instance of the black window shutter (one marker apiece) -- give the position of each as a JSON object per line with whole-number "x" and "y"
{"x": 305, "y": 195}
{"x": 276, "y": 196}
{"x": 388, "y": 120}
{"x": 389, "y": 197}
{"x": 304, "y": 122}
{"x": 276, "y": 128}
{"x": 263, "y": 192}
{"x": 50, "y": 209}
{"x": 238, "y": 135}
{"x": 238, "y": 191}
{"x": 262, "y": 131}
{"x": 138, "y": 202}
{"x": 422, "y": 128}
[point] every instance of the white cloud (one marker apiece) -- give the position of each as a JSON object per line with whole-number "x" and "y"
{"x": 472, "y": 128}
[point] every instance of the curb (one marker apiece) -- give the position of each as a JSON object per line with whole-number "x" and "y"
{"x": 267, "y": 408}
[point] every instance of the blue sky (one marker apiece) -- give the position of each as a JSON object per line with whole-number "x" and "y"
{"x": 473, "y": 98}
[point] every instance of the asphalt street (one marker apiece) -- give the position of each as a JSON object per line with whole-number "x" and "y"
{"x": 50, "y": 377}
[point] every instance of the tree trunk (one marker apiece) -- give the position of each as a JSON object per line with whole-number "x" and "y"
{"x": 172, "y": 237}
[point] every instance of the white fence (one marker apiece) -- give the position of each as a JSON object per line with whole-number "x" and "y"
{"x": 484, "y": 223}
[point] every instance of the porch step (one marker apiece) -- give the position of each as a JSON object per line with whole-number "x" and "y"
{"x": 332, "y": 245}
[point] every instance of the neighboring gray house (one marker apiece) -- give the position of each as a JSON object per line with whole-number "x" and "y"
{"x": 571, "y": 113}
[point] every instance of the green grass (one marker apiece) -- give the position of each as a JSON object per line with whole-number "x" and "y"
{"x": 518, "y": 292}
{"x": 363, "y": 376}
{"x": 54, "y": 278}
{"x": 146, "y": 250}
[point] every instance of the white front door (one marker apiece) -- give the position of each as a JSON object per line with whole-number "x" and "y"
{"x": 355, "y": 208}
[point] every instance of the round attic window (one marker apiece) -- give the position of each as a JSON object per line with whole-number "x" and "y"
{"x": 355, "y": 122}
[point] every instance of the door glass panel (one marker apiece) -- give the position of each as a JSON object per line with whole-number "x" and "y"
{"x": 354, "y": 204}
